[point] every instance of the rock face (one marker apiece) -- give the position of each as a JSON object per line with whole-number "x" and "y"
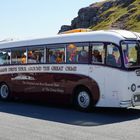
{"x": 98, "y": 12}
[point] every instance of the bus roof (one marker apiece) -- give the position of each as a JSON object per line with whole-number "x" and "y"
{"x": 114, "y": 36}
{"x": 137, "y": 34}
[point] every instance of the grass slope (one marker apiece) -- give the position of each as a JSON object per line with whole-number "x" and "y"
{"x": 121, "y": 17}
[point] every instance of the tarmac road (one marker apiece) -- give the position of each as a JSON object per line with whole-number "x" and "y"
{"x": 24, "y": 121}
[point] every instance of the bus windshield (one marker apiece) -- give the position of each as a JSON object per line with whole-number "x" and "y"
{"x": 131, "y": 54}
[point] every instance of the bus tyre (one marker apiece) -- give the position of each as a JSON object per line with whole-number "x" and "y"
{"x": 83, "y": 100}
{"x": 4, "y": 92}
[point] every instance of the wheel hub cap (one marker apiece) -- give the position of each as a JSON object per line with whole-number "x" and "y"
{"x": 4, "y": 91}
{"x": 83, "y": 99}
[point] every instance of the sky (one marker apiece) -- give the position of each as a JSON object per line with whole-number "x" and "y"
{"x": 37, "y": 18}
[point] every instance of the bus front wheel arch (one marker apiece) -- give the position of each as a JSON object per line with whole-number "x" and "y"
{"x": 4, "y": 92}
{"x": 82, "y": 98}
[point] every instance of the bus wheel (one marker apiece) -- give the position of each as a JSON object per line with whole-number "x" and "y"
{"x": 4, "y": 92}
{"x": 83, "y": 99}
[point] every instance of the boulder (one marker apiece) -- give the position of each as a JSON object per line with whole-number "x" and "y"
{"x": 65, "y": 28}
{"x": 108, "y": 14}
{"x": 94, "y": 20}
{"x": 131, "y": 7}
{"x": 86, "y": 13}
{"x": 123, "y": 3}
{"x": 106, "y": 6}
{"x": 138, "y": 17}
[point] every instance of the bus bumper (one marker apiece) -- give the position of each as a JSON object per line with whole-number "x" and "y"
{"x": 135, "y": 101}
{"x": 125, "y": 104}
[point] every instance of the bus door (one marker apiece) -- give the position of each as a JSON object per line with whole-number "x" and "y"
{"x": 112, "y": 75}
{"x": 96, "y": 70}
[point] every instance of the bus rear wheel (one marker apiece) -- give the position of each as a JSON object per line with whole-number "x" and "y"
{"x": 83, "y": 100}
{"x": 4, "y": 92}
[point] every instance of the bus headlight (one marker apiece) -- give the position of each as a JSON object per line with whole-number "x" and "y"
{"x": 133, "y": 87}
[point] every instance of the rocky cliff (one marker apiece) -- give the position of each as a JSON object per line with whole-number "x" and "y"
{"x": 118, "y": 14}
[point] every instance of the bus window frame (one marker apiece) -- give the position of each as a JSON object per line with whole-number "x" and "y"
{"x": 64, "y": 45}
{"x": 121, "y": 55}
{"x": 8, "y": 50}
{"x": 38, "y": 47}
{"x": 105, "y": 47}
{"x": 78, "y": 45}
{"x": 91, "y": 46}
{"x": 18, "y": 48}
{"x": 26, "y": 48}
{"x": 55, "y": 46}
{"x": 124, "y": 67}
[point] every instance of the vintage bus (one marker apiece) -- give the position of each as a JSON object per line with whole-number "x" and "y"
{"x": 88, "y": 69}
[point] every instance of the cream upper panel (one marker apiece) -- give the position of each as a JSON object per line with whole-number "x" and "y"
{"x": 114, "y": 36}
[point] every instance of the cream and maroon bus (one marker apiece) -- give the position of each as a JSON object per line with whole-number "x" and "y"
{"x": 88, "y": 69}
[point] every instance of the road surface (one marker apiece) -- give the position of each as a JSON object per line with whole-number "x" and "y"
{"x": 29, "y": 121}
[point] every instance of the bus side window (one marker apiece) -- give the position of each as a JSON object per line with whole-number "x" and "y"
{"x": 5, "y": 56}
{"x": 72, "y": 53}
{"x": 98, "y": 53}
{"x": 113, "y": 56}
{"x": 56, "y": 55}
{"x": 19, "y": 56}
{"x": 83, "y": 54}
{"x": 36, "y": 55}
{"x": 52, "y": 57}
{"x": 31, "y": 57}
{"x": 78, "y": 53}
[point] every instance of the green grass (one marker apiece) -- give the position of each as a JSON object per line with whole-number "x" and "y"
{"x": 118, "y": 11}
